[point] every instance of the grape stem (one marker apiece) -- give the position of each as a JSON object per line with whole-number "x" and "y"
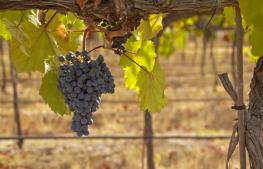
{"x": 49, "y": 21}
{"x": 101, "y": 46}
{"x": 85, "y": 35}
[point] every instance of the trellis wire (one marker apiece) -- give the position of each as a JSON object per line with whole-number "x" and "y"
{"x": 129, "y": 101}
{"x": 118, "y": 137}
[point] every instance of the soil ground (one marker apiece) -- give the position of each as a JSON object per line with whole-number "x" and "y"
{"x": 192, "y": 110}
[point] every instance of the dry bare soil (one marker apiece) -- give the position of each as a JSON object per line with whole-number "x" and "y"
{"x": 193, "y": 109}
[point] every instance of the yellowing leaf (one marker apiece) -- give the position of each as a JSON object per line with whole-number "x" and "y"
{"x": 32, "y": 43}
{"x": 149, "y": 29}
{"x": 62, "y": 32}
{"x": 4, "y": 32}
{"x": 145, "y": 29}
{"x": 156, "y": 23}
{"x": 166, "y": 45}
{"x": 151, "y": 89}
{"x": 130, "y": 76}
{"x": 141, "y": 52}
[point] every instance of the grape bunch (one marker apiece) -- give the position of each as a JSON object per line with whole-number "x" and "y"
{"x": 82, "y": 81}
{"x": 117, "y": 42}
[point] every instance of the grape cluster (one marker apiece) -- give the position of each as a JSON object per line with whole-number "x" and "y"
{"x": 117, "y": 42}
{"x": 82, "y": 81}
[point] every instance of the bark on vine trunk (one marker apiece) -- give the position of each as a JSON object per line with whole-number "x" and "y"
{"x": 125, "y": 13}
{"x": 254, "y": 128}
{"x": 149, "y": 6}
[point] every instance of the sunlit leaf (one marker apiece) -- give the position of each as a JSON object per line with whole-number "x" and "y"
{"x": 4, "y": 33}
{"x": 151, "y": 89}
{"x": 140, "y": 52}
{"x": 150, "y": 28}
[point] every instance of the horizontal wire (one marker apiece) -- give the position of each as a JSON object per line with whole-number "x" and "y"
{"x": 129, "y": 101}
{"x": 114, "y": 137}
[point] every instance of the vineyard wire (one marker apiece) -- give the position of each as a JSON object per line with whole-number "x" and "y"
{"x": 119, "y": 137}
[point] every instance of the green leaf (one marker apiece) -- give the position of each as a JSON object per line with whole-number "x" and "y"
{"x": 150, "y": 28}
{"x": 33, "y": 43}
{"x": 4, "y": 32}
{"x": 256, "y": 40}
{"x": 247, "y": 52}
{"x": 229, "y": 15}
{"x": 252, "y": 11}
{"x": 151, "y": 89}
{"x": 166, "y": 46}
{"x": 51, "y": 94}
{"x": 38, "y": 47}
{"x": 141, "y": 52}
{"x": 180, "y": 40}
{"x": 60, "y": 28}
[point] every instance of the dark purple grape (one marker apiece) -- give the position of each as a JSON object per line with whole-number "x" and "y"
{"x": 82, "y": 82}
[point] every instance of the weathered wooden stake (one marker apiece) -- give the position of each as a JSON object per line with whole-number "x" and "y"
{"x": 15, "y": 104}
{"x": 195, "y": 52}
{"x": 203, "y": 58}
{"x": 213, "y": 60}
{"x": 240, "y": 88}
{"x": 3, "y": 66}
{"x": 233, "y": 62}
{"x": 148, "y": 133}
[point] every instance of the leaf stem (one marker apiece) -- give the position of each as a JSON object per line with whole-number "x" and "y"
{"x": 84, "y": 39}
{"x": 20, "y": 21}
{"x": 136, "y": 63}
{"x": 49, "y": 21}
{"x": 101, "y": 46}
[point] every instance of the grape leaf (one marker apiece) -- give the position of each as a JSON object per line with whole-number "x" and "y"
{"x": 4, "y": 32}
{"x": 252, "y": 12}
{"x": 51, "y": 94}
{"x": 229, "y": 15}
{"x": 39, "y": 46}
{"x": 166, "y": 45}
{"x": 256, "y": 39}
{"x": 70, "y": 41}
{"x": 149, "y": 29}
{"x": 254, "y": 19}
{"x": 140, "y": 51}
{"x": 33, "y": 43}
{"x": 180, "y": 40}
{"x": 151, "y": 89}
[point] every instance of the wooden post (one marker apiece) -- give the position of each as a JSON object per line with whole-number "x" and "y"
{"x": 195, "y": 51}
{"x": 213, "y": 60}
{"x": 148, "y": 133}
{"x": 183, "y": 55}
{"x": 233, "y": 61}
{"x": 205, "y": 40}
{"x": 15, "y": 104}
{"x": 240, "y": 88}
{"x": 4, "y": 80}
